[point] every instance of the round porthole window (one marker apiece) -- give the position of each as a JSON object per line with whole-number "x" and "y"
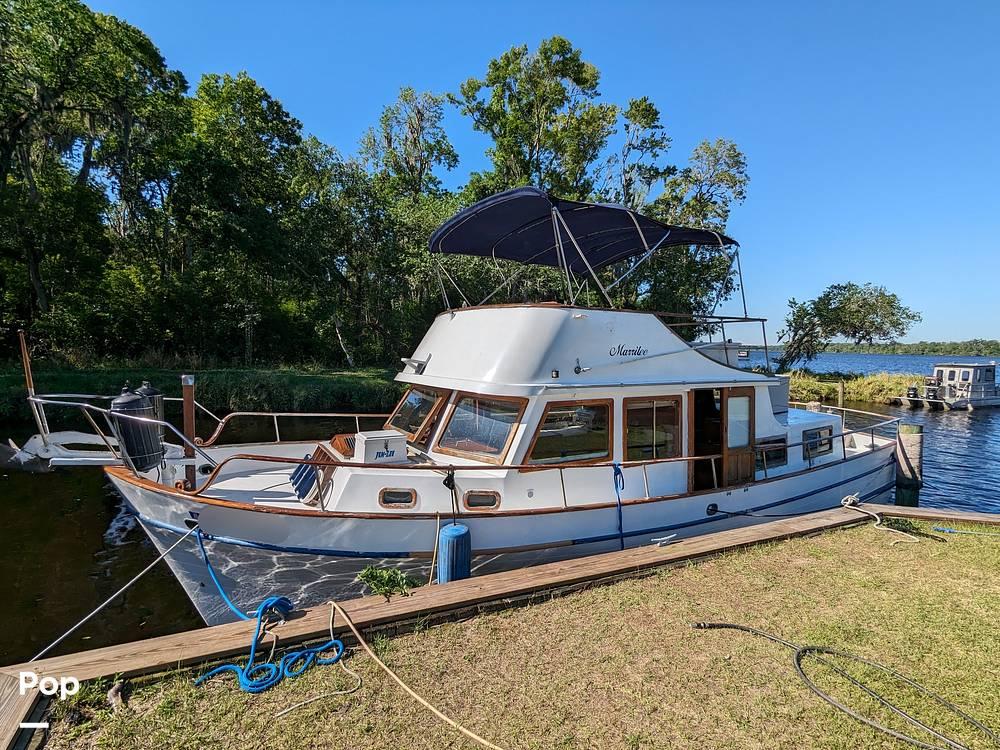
{"x": 205, "y": 469}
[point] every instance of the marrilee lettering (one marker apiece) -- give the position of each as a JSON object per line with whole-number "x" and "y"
{"x": 628, "y": 351}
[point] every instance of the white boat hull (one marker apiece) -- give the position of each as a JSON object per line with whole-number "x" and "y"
{"x": 312, "y": 558}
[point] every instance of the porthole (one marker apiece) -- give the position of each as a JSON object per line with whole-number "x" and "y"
{"x": 392, "y": 497}
{"x": 481, "y": 500}
{"x": 205, "y": 469}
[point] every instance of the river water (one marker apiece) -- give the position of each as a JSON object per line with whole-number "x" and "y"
{"x": 66, "y": 543}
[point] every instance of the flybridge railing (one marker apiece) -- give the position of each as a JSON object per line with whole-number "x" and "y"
{"x": 275, "y": 416}
{"x": 713, "y": 322}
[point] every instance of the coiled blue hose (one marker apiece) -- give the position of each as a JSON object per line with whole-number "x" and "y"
{"x": 256, "y": 678}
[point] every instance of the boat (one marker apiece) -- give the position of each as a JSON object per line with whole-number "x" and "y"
{"x": 549, "y": 430}
{"x": 956, "y": 385}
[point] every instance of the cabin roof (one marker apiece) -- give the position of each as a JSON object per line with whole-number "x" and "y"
{"x": 965, "y": 364}
{"x": 530, "y": 349}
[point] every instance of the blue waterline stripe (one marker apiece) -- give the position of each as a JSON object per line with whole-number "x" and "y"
{"x": 585, "y": 540}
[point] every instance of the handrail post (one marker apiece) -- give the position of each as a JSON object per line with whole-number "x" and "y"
{"x": 187, "y": 391}
{"x": 277, "y": 432}
{"x": 562, "y": 483}
{"x": 645, "y": 481}
{"x": 37, "y": 410}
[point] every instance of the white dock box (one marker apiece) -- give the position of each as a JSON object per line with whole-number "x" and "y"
{"x": 380, "y": 447}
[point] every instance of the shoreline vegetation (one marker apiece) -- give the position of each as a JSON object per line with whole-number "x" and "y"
{"x": 224, "y": 390}
{"x": 970, "y": 348}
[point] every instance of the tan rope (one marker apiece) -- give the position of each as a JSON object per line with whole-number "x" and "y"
{"x": 851, "y": 501}
{"x": 471, "y": 735}
{"x": 332, "y": 693}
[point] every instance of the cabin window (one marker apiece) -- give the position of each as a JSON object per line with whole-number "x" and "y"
{"x": 771, "y": 453}
{"x": 481, "y": 500}
{"x": 738, "y": 422}
{"x": 481, "y": 425}
{"x": 573, "y": 431}
{"x": 951, "y": 375}
{"x": 414, "y": 410}
{"x": 817, "y": 442}
{"x": 397, "y": 498}
{"x": 979, "y": 375}
{"x": 965, "y": 376}
{"x": 990, "y": 375}
{"x": 940, "y": 375}
{"x": 652, "y": 428}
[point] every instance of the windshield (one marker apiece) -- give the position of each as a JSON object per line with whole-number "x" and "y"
{"x": 479, "y": 425}
{"x": 413, "y": 410}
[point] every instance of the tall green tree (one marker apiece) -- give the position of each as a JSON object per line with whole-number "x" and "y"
{"x": 862, "y": 314}
{"x": 541, "y": 111}
{"x": 409, "y": 143}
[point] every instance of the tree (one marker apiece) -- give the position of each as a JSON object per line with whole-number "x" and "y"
{"x": 410, "y": 142}
{"x": 628, "y": 175}
{"x": 540, "y": 110}
{"x": 863, "y": 314}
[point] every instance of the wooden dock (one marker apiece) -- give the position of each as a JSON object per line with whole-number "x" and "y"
{"x": 210, "y": 643}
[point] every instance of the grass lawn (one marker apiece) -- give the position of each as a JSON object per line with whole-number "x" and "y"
{"x": 619, "y": 666}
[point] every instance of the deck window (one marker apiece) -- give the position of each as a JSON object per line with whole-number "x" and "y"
{"x": 771, "y": 453}
{"x": 414, "y": 411}
{"x": 481, "y": 500}
{"x": 652, "y": 428}
{"x": 573, "y": 431}
{"x": 817, "y": 442}
{"x": 397, "y": 498}
{"x": 965, "y": 376}
{"x": 951, "y": 375}
{"x": 481, "y": 425}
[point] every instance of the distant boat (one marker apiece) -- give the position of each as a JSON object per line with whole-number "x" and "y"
{"x": 962, "y": 385}
{"x": 743, "y": 354}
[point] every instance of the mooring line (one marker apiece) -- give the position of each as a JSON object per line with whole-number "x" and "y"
{"x": 110, "y": 599}
{"x": 467, "y": 732}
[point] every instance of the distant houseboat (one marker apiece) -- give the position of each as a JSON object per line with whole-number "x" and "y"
{"x": 956, "y": 386}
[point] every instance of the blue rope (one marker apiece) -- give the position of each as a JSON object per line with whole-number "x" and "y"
{"x": 256, "y": 678}
{"x": 215, "y": 580}
{"x": 619, "y": 480}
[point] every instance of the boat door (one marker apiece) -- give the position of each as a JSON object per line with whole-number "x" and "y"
{"x": 738, "y": 429}
{"x": 720, "y": 425}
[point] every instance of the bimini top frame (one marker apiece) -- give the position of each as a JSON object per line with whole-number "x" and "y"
{"x": 528, "y": 225}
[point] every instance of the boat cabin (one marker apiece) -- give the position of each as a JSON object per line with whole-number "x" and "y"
{"x": 558, "y": 387}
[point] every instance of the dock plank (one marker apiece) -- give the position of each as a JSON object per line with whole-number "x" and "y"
{"x": 935, "y": 514}
{"x": 14, "y": 708}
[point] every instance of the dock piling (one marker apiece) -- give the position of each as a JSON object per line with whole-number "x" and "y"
{"x": 909, "y": 463}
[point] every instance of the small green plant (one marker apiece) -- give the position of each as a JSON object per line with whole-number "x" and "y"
{"x": 386, "y": 581}
{"x": 901, "y": 524}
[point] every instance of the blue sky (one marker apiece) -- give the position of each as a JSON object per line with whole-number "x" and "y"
{"x": 872, "y": 129}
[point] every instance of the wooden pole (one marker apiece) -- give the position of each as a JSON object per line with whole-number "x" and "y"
{"x": 909, "y": 463}
{"x": 187, "y": 391}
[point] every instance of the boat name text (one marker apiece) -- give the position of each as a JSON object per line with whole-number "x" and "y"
{"x": 628, "y": 351}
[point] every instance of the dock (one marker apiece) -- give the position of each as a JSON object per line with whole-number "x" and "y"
{"x": 497, "y": 590}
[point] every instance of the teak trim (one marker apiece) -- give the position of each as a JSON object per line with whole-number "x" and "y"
{"x": 608, "y": 456}
{"x": 678, "y": 401}
{"x": 498, "y": 458}
{"x": 412, "y": 493}
{"x": 480, "y": 508}
{"x": 442, "y": 398}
